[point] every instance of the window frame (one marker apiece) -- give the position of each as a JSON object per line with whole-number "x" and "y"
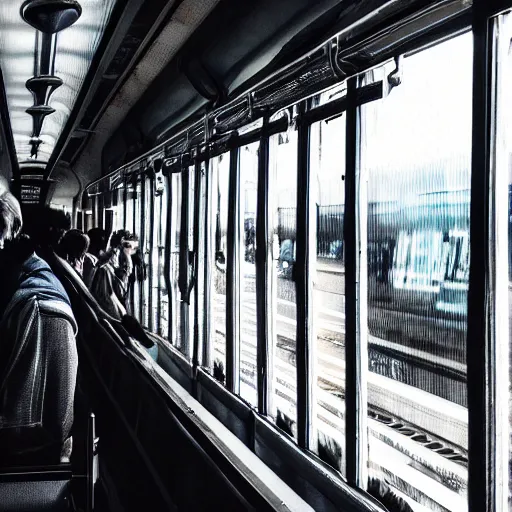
{"x": 485, "y": 470}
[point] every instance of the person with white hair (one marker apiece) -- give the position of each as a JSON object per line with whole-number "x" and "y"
{"x": 38, "y": 355}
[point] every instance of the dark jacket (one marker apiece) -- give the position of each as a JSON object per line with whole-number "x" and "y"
{"x": 38, "y": 362}
{"x": 111, "y": 281}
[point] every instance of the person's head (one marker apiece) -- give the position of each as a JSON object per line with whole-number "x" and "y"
{"x": 11, "y": 220}
{"x": 98, "y": 241}
{"x": 124, "y": 240}
{"x": 73, "y": 246}
{"x": 46, "y": 226}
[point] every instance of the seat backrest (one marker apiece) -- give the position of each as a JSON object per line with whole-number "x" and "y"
{"x": 41, "y": 489}
{"x": 126, "y": 328}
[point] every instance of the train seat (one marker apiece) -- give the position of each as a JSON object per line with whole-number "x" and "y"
{"x": 51, "y": 488}
{"x": 28, "y": 489}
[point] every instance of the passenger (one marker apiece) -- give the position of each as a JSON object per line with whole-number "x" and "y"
{"x": 110, "y": 284}
{"x": 97, "y": 247}
{"x": 46, "y": 227}
{"x": 38, "y": 356}
{"x": 72, "y": 248}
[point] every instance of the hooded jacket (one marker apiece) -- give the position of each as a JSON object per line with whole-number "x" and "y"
{"x": 38, "y": 362}
{"x": 110, "y": 282}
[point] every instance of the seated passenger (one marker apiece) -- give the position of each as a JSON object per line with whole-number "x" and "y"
{"x": 38, "y": 356}
{"x": 72, "y": 248}
{"x": 111, "y": 279}
{"x": 97, "y": 247}
{"x": 46, "y": 227}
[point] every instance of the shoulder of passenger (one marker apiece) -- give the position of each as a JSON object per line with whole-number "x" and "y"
{"x": 56, "y": 309}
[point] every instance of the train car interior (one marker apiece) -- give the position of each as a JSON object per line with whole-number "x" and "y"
{"x": 283, "y": 233}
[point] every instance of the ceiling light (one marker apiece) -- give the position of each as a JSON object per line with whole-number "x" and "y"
{"x": 46, "y": 49}
{"x": 51, "y": 16}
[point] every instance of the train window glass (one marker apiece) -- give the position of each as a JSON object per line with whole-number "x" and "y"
{"x": 416, "y": 154}
{"x": 174, "y": 292}
{"x": 153, "y": 258}
{"x": 95, "y": 214}
{"x": 163, "y": 300}
{"x": 282, "y": 295}
{"x": 88, "y": 220}
{"x": 199, "y": 295}
{"x": 128, "y": 221}
{"x": 119, "y": 222}
{"x": 248, "y": 169}
{"x": 159, "y": 307}
{"x": 146, "y": 250}
{"x": 327, "y": 195}
{"x": 191, "y": 294}
{"x": 137, "y": 277}
{"x": 219, "y": 210}
{"x": 501, "y": 196}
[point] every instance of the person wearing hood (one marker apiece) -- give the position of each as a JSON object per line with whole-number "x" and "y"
{"x": 110, "y": 284}
{"x": 38, "y": 355}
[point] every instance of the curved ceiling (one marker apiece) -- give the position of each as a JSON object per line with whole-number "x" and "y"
{"x": 60, "y": 61}
{"x": 183, "y": 22}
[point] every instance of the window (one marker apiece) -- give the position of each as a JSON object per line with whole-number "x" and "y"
{"x": 188, "y": 295}
{"x": 283, "y": 209}
{"x": 327, "y": 196}
{"x": 248, "y": 169}
{"x": 138, "y": 278}
{"x": 158, "y": 299}
{"x": 174, "y": 293}
{"x": 501, "y": 253}
{"x": 119, "y": 223}
{"x": 416, "y": 153}
{"x": 146, "y": 251}
{"x": 217, "y": 252}
{"x": 163, "y": 301}
{"x": 128, "y": 221}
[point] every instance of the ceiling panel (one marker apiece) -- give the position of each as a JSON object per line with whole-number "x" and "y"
{"x": 20, "y": 49}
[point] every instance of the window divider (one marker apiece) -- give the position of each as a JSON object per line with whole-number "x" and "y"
{"x": 233, "y": 277}
{"x": 157, "y": 247}
{"x": 356, "y": 354}
{"x": 303, "y": 284}
{"x": 142, "y": 242}
{"x": 263, "y": 261}
{"x": 125, "y": 200}
{"x": 151, "y": 245}
{"x": 198, "y": 235}
{"x": 184, "y": 261}
{"x": 208, "y": 227}
{"x": 167, "y": 257}
{"x": 134, "y": 199}
{"x": 480, "y": 353}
